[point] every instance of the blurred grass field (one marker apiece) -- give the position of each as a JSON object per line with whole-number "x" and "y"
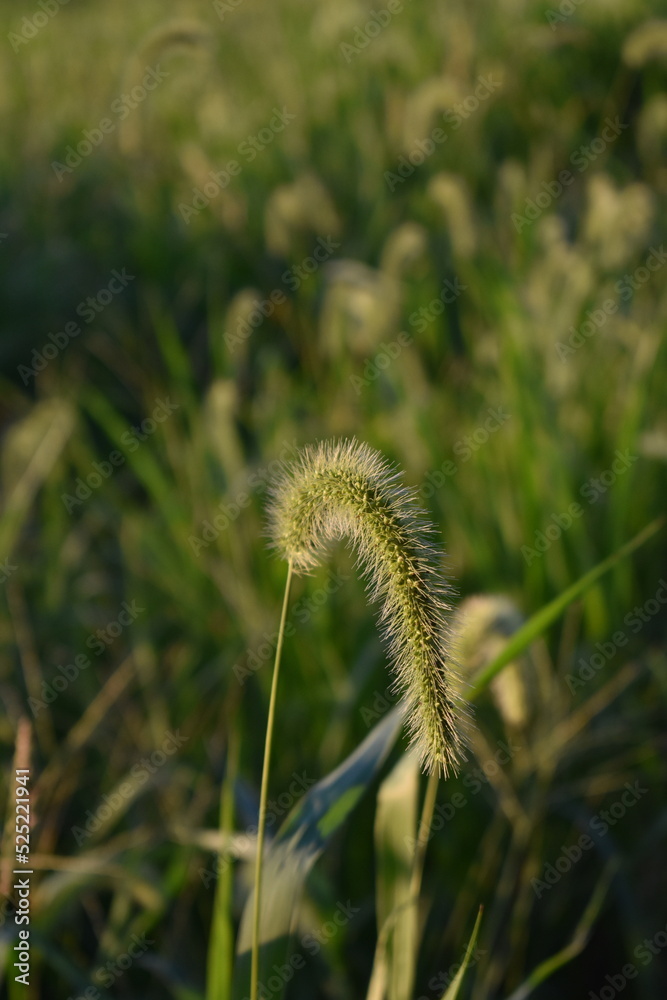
{"x": 484, "y": 304}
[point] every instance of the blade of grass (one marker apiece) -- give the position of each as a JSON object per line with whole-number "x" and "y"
{"x": 395, "y": 826}
{"x": 142, "y": 461}
{"x": 536, "y": 625}
{"x": 452, "y": 990}
{"x": 263, "y": 795}
{"x": 221, "y": 946}
{"x": 298, "y": 844}
{"x": 576, "y": 945}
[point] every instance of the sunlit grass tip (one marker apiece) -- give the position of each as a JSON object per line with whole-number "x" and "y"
{"x": 347, "y": 490}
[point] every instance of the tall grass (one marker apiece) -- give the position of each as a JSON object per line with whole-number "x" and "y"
{"x": 177, "y": 526}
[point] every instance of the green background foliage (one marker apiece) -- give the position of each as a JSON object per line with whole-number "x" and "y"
{"x": 460, "y": 324}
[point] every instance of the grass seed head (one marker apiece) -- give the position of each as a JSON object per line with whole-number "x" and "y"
{"x": 346, "y": 489}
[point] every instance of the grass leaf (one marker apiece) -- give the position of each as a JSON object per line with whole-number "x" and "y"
{"x": 397, "y": 912}
{"x": 452, "y": 990}
{"x": 299, "y": 843}
{"x": 576, "y": 945}
{"x": 536, "y": 625}
{"x": 221, "y": 945}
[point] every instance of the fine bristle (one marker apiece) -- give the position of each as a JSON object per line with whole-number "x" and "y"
{"x": 346, "y": 489}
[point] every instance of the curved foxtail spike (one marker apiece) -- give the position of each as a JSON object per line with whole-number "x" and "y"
{"x": 346, "y": 489}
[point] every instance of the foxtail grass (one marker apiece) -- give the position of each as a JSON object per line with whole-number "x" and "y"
{"x": 346, "y": 490}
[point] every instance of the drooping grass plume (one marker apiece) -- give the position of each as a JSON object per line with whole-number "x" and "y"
{"x": 481, "y": 628}
{"x": 346, "y": 489}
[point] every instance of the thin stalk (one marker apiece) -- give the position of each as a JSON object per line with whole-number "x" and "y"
{"x": 263, "y": 795}
{"x": 423, "y": 836}
{"x": 221, "y": 946}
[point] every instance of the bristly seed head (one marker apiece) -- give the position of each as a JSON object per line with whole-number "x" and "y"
{"x": 346, "y": 489}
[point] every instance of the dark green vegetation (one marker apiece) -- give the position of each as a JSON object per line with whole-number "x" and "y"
{"x": 452, "y": 251}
